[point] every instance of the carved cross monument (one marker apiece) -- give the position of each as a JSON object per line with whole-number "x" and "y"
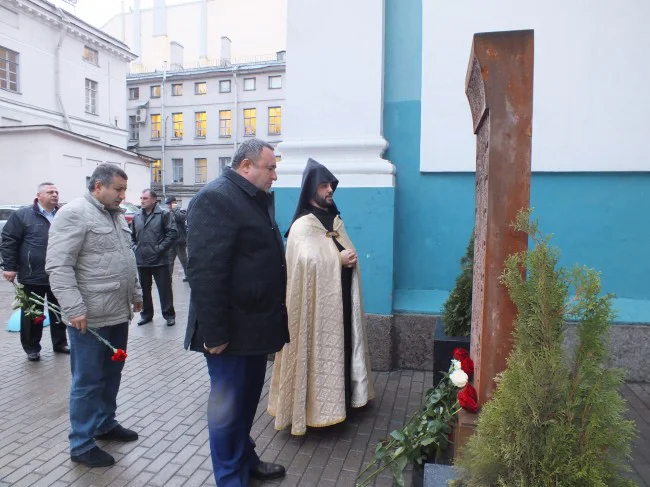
{"x": 499, "y": 87}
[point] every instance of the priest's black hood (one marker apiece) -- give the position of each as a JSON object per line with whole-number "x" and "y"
{"x": 313, "y": 175}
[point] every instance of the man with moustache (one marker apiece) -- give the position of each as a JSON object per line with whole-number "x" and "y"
{"x": 94, "y": 276}
{"x": 325, "y": 369}
{"x": 237, "y": 275}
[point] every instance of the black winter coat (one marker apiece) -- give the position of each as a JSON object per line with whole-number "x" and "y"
{"x": 180, "y": 217}
{"x": 236, "y": 269}
{"x": 153, "y": 236}
{"x": 24, "y": 243}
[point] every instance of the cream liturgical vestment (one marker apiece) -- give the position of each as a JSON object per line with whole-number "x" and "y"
{"x": 308, "y": 381}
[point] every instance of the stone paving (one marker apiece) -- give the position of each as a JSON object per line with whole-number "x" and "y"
{"x": 163, "y": 397}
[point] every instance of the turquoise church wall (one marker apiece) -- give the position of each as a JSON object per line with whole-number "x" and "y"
{"x": 598, "y": 219}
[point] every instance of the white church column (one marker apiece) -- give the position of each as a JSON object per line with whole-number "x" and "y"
{"x": 333, "y": 107}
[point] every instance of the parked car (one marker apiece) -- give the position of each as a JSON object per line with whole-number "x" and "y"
{"x": 129, "y": 210}
{"x": 5, "y": 213}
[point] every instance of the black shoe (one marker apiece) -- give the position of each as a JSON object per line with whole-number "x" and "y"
{"x": 34, "y": 357}
{"x": 95, "y": 457}
{"x": 267, "y": 471}
{"x": 119, "y": 433}
{"x": 144, "y": 321}
{"x": 171, "y": 321}
{"x": 62, "y": 349}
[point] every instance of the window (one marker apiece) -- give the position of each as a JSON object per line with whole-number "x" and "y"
{"x": 155, "y": 126}
{"x": 250, "y": 121}
{"x": 91, "y": 56}
{"x": 275, "y": 120}
{"x": 275, "y": 82}
{"x": 201, "y": 88}
{"x": 200, "y": 170}
{"x": 177, "y": 119}
{"x": 177, "y": 170}
{"x": 223, "y": 162}
{"x": 134, "y": 93}
{"x": 224, "y": 86}
{"x": 177, "y": 89}
{"x": 8, "y": 69}
{"x": 91, "y": 96}
{"x": 278, "y": 158}
{"x": 155, "y": 91}
{"x": 249, "y": 84}
{"x": 224, "y": 123}
{"x": 200, "y": 124}
{"x": 156, "y": 171}
{"x": 134, "y": 131}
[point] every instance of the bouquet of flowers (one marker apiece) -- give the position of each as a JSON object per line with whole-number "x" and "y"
{"x": 428, "y": 431}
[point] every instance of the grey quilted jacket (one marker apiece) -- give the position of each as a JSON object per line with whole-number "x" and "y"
{"x": 90, "y": 263}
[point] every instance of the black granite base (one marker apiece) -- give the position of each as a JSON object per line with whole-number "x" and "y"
{"x": 436, "y": 475}
{"x": 443, "y": 350}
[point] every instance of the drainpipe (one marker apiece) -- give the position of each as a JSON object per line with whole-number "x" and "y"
{"x": 164, "y": 121}
{"x": 235, "y": 118}
{"x": 57, "y": 70}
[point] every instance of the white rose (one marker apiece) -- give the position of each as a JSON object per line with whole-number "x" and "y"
{"x": 459, "y": 378}
{"x": 455, "y": 364}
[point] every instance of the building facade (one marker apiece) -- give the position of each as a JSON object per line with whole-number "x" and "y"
{"x": 191, "y": 120}
{"x": 62, "y": 102}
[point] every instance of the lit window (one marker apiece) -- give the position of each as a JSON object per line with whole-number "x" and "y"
{"x": 200, "y": 170}
{"x": 177, "y": 89}
{"x": 200, "y": 124}
{"x": 91, "y": 56}
{"x": 224, "y": 86}
{"x": 134, "y": 93}
{"x": 134, "y": 131}
{"x": 275, "y": 82}
{"x": 177, "y": 170}
{"x": 250, "y": 121}
{"x": 155, "y": 126}
{"x": 177, "y": 119}
{"x": 224, "y": 123}
{"x": 278, "y": 158}
{"x": 249, "y": 84}
{"x": 156, "y": 172}
{"x": 275, "y": 120}
{"x": 8, "y": 69}
{"x": 200, "y": 88}
{"x": 91, "y": 96}
{"x": 155, "y": 91}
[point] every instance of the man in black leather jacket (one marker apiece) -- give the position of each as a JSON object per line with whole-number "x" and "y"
{"x": 237, "y": 274}
{"x": 154, "y": 232}
{"x": 180, "y": 247}
{"x": 24, "y": 242}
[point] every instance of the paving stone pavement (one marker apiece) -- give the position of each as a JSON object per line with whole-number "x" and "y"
{"x": 163, "y": 396}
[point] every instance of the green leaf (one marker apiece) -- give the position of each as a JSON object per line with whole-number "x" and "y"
{"x": 397, "y": 435}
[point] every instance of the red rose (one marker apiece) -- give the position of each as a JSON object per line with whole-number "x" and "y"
{"x": 467, "y": 364}
{"x": 119, "y": 355}
{"x": 468, "y": 399}
{"x": 460, "y": 354}
{"x": 39, "y": 320}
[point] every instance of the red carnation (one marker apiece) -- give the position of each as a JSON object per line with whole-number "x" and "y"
{"x": 467, "y": 364}
{"x": 119, "y": 355}
{"x": 460, "y": 354}
{"x": 39, "y": 320}
{"x": 468, "y": 399}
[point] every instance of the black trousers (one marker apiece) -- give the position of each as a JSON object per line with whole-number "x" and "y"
{"x": 31, "y": 334}
{"x": 180, "y": 250}
{"x": 164, "y": 284}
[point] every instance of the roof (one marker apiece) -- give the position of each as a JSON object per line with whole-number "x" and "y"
{"x": 82, "y": 138}
{"x": 206, "y": 70}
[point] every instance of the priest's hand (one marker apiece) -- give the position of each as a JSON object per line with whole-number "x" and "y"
{"x": 216, "y": 350}
{"x": 348, "y": 258}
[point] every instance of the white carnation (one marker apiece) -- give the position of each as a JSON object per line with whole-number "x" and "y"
{"x": 455, "y": 364}
{"x": 459, "y": 378}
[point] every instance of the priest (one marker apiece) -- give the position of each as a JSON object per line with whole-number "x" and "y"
{"x": 325, "y": 369}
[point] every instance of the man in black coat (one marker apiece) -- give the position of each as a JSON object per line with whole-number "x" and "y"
{"x": 24, "y": 242}
{"x": 154, "y": 232}
{"x": 237, "y": 274}
{"x": 180, "y": 247}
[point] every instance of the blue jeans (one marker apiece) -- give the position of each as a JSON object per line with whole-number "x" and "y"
{"x": 95, "y": 383}
{"x": 236, "y": 386}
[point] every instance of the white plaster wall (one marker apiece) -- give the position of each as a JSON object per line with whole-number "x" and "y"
{"x": 29, "y": 158}
{"x": 590, "y": 91}
{"x": 36, "y": 103}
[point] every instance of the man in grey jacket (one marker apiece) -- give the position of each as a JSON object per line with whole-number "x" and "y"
{"x": 94, "y": 277}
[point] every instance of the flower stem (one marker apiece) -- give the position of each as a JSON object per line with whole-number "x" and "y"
{"x": 101, "y": 339}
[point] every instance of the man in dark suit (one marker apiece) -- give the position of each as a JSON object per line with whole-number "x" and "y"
{"x": 237, "y": 275}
